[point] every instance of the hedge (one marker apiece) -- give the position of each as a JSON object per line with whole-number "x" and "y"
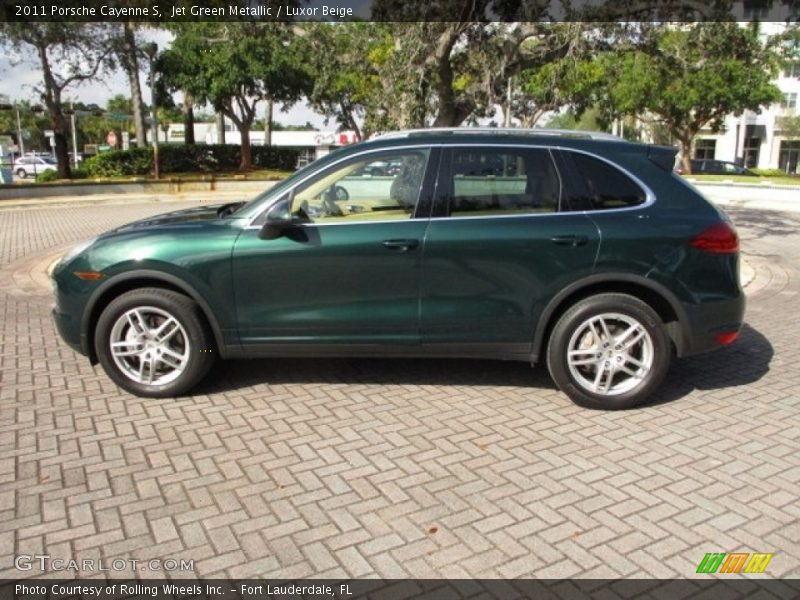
{"x": 198, "y": 158}
{"x": 770, "y": 172}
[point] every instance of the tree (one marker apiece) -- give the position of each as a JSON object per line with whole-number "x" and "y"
{"x": 435, "y": 72}
{"x": 233, "y": 67}
{"x": 565, "y": 82}
{"x": 78, "y": 50}
{"x": 690, "y": 77}
{"x": 345, "y": 83}
{"x": 129, "y": 54}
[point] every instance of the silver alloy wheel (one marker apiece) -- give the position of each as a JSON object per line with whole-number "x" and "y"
{"x": 610, "y": 354}
{"x": 149, "y": 345}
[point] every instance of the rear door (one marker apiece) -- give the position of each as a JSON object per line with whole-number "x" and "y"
{"x": 501, "y": 243}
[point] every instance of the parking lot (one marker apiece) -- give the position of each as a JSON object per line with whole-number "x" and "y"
{"x": 395, "y": 468}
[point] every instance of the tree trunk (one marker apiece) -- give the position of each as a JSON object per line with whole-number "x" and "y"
{"x": 246, "y": 160}
{"x": 220, "y": 128}
{"x": 130, "y": 63}
{"x": 188, "y": 118}
{"x": 685, "y": 146}
{"x": 52, "y": 99}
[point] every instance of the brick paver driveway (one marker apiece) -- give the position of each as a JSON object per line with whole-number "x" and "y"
{"x": 340, "y": 468}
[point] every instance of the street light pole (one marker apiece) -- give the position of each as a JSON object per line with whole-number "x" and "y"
{"x": 151, "y": 49}
{"x": 74, "y": 137}
{"x": 20, "y": 143}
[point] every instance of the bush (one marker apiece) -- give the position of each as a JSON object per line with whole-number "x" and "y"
{"x": 120, "y": 163}
{"x": 79, "y": 172}
{"x": 199, "y": 158}
{"x": 47, "y": 176}
{"x": 770, "y": 172}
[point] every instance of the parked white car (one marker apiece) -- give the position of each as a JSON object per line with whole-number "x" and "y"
{"x": 33, "y": 165}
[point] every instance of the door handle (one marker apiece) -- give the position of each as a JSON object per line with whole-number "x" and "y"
{"x": 400, "y": 245}
{"x": 570, "y": 240}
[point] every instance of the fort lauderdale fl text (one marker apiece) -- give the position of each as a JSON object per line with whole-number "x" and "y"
{"x": 245, "y": 590}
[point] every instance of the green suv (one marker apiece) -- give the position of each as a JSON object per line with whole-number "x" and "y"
{"x": 579, "y": 250}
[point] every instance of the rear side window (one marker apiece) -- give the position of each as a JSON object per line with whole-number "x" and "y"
{"x": 601, "y": 186}
{"x": 502, "y": 181}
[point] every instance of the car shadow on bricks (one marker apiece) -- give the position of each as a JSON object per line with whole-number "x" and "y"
{"x": 743, "y": 363}
{"x": 760, "y": 223}
{"x": 238, "y": 374}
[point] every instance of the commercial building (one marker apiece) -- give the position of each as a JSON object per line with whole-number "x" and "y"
{"x": 769, "y": 139}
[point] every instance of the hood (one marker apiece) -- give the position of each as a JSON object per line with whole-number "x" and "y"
{"x": 184, "y": 216}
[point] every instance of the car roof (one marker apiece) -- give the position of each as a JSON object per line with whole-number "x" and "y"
{"x": 589, "y": 140}
{"x": 505, "y": 131}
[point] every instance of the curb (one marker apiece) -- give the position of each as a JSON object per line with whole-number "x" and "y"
{"x": 746, "y": 272}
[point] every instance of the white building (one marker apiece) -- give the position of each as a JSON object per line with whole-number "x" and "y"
{"x": 313, "y": 144}
{"x": 757, "y": 139}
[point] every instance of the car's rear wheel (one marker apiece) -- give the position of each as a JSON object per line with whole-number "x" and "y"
{"x": 22, "y": 173}
{"x": 609, "y": 351}
{"x": 154, "y": 343}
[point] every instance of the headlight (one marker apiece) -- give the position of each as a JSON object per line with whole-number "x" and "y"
{"x": 75, "y": 250}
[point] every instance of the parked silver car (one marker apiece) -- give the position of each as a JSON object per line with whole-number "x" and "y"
{"x": 33, "y": 165}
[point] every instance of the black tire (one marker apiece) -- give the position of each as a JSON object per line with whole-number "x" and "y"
{"x": 188, "y": 336}
{"x": 22, "y": 173}
{"x": 604, "y": 349}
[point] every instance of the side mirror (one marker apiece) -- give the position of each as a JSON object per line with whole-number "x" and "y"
{"x": 272, "y": 230}
{"x": 279, "y": 220}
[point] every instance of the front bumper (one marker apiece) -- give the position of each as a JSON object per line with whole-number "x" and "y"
{"x": 69, "y": 330}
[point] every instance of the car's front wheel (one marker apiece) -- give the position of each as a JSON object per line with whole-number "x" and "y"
{"x": 609, "y": 351}
{"x": 154, "y": 342}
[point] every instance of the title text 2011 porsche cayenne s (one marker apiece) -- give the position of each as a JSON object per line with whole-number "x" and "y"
{"x": 580, "y": 251}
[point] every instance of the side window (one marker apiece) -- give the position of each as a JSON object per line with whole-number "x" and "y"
{"x": 604, "y": 186}
{"x": 365, "y": 189}
{"x": 503, "y": 181}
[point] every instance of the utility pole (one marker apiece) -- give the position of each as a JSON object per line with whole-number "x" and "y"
{"x": 151, "y": 50}
{"x": 20, "y": 143}
{"x": 268, "y": 124}
{"x": 74, "y": 136}
{"x": 509, "y": 91}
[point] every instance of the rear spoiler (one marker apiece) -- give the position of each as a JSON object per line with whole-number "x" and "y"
{"x": 663, "y": 156}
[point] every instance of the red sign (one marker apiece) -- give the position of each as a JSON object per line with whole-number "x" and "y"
{"x": 111, "y": 139}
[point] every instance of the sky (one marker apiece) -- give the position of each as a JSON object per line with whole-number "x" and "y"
{"x": 20, "y": 75}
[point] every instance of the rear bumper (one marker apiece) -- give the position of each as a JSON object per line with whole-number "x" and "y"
{"x": 708, "y": 321}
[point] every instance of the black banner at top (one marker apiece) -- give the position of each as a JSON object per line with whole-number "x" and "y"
{"x": 171, "y": 11}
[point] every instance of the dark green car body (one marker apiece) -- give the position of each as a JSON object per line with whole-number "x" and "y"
{"x": 489, "y": 283}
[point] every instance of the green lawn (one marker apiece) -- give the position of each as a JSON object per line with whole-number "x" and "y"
{"x": 785, "y": 180}
{"x": 254, "y": 175}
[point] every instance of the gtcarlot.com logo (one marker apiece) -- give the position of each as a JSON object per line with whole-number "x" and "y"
{"x": 44, "y": 562}
{"x": 735, "y": 562}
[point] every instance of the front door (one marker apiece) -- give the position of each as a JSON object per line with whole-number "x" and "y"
{"x": 348, "y": 272}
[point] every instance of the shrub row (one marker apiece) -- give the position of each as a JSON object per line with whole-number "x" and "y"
{"x": 198, "y": 158}
{"x": 769, "y": 172}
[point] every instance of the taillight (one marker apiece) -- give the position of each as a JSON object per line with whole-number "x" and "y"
{"x": 727, "y": 337}
{"x": 720, "y": 238}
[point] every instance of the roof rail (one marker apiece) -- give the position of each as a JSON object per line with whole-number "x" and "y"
{"x": 574, "y": 133}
